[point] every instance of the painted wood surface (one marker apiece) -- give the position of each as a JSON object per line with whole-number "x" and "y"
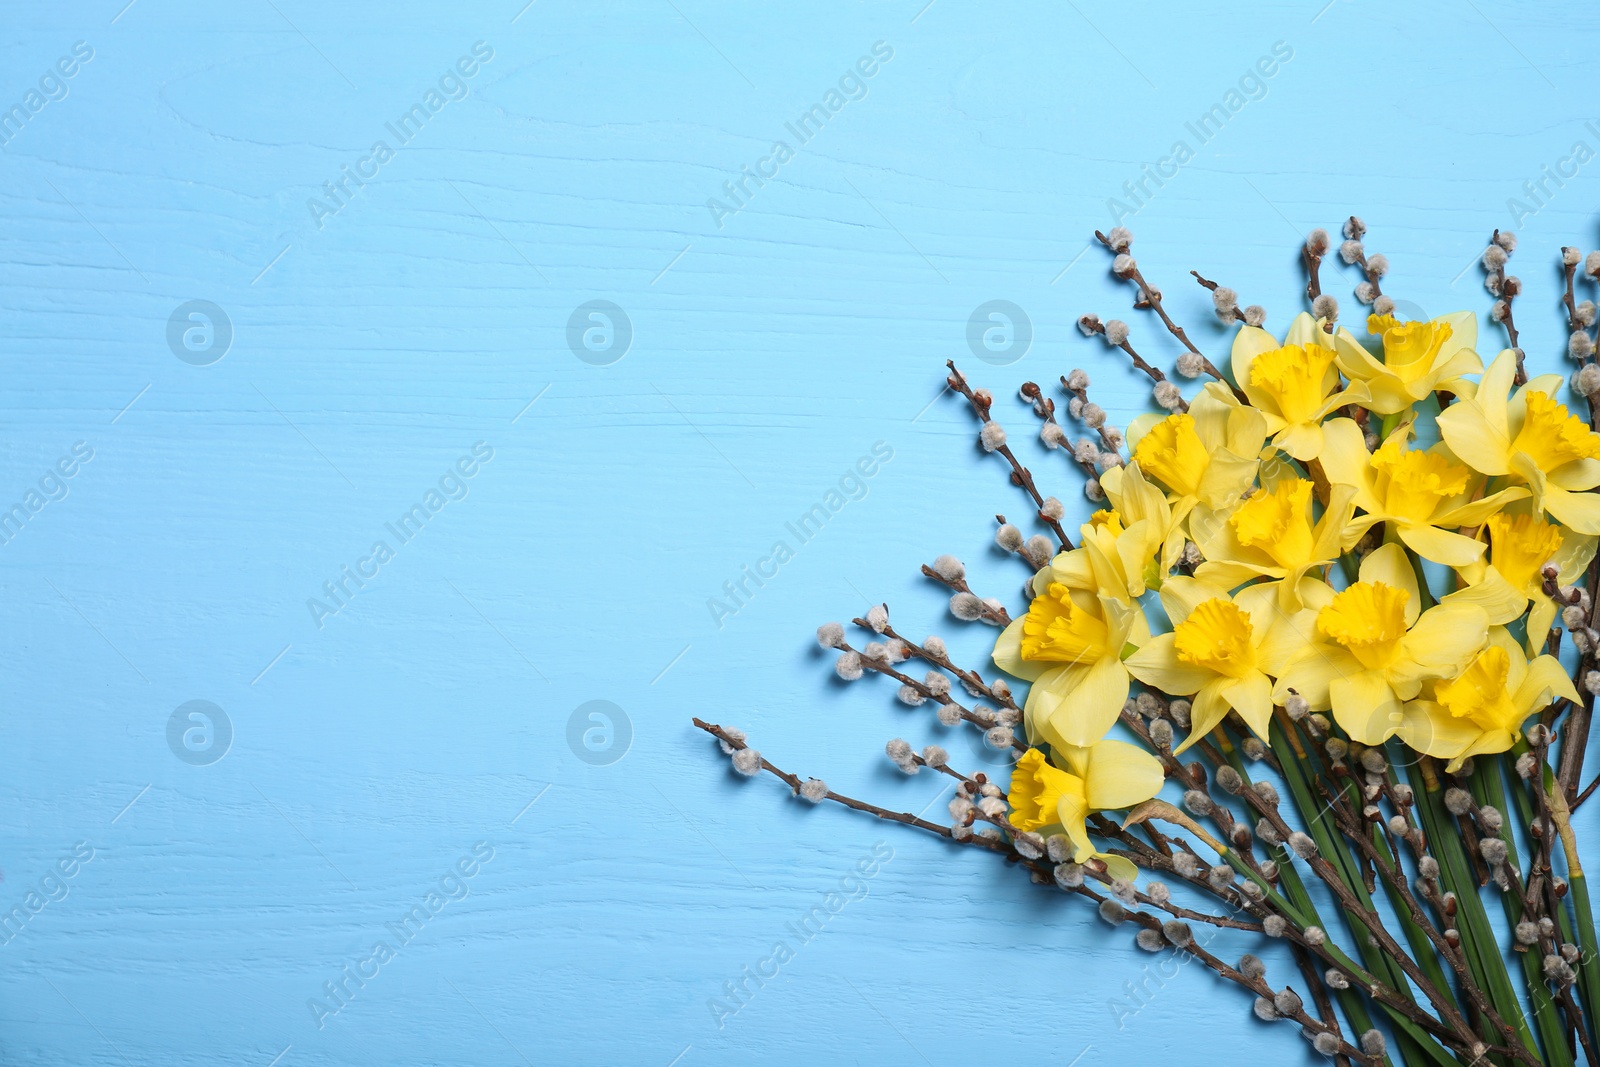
{"x": 407, "y": 361}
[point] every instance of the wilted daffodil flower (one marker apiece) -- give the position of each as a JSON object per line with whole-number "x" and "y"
{"x": 1206, "y": 455}
{"x": 1105, "y": 776}
{"x": 1483, "y": 708}
{"x": 1070, "y": 646}
{"x": 1273, "y": 535}
{"x": 1510, "y": 579}
{"x": 1416, "y": 491}
{"x": 1418, "y": 358}
{"x": 1294, "y": 385}
{"x": 1530, "y": 438}
{"x": 1221, "y": 650}
{"x": 1374, "y": 647}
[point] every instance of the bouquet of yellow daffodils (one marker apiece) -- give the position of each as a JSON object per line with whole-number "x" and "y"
{"x": 1339, "y": 607}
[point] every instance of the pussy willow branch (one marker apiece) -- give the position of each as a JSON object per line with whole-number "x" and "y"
{"x": 878, "y": 666}
{"x": 994, "y": 616}
{"x": 1148, "y": 296}
{"x": 1094, "y": 325}
{"x": 1507, "y": 289}
{"x": 1361, "y": 262}
{"x": 1020, "y": 475}
{"x": 1213, "y": 286}
{"x": 1045, "y": 408}
{"x": 970, "y": 680}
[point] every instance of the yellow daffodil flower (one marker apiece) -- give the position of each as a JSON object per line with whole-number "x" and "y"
{"x": 1222, "y": 650}
{"x": 1529, "y": 438}
{"x": 1510, "y": 579}
{"x": 1418, "y": 358}
{"x": 1373, "y": 647}
{"x": 1416, "y": 491}
{"x": 1070, "y": 646}
{"x": 1294, "y": 385}
{"x": 1105, "y": 776}
{"x": 1141, "y": 548}
{"x": 1272, "y": 534}
{"x": 1482, "y": 709}
{"x": 1206, "y": 455}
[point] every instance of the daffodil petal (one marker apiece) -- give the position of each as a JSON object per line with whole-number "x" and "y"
{"x": 1156, "y": 665}
{"x": 1366, "y": 707}
{"x": 1121, "y": 775}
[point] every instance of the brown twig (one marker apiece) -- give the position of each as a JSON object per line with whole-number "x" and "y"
{"x": 1020, "y": 475}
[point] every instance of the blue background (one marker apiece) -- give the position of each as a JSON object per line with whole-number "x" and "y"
{"x": 771, "y": 347}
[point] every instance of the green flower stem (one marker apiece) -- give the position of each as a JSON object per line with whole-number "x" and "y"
{"x": 1477, "y": 936}
{"x": 1552, "y": 1032}
{"x": 1386, "y": 970}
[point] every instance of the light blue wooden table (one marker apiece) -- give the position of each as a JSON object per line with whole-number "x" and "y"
{"x": 396, "y": 506}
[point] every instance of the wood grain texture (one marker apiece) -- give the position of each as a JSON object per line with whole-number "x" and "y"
{"x": 372, "y": 752}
